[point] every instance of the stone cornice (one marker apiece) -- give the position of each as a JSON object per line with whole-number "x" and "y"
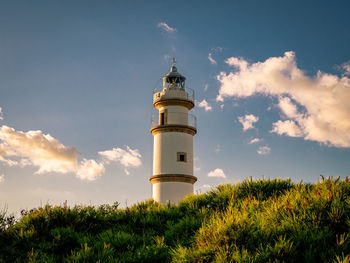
{"x": 189, "y": 104}
{"x": 173, "y": 178}
{"x": 173, "y": 128}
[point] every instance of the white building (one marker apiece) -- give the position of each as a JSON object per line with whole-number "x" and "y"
{"x": 173, "y": 130}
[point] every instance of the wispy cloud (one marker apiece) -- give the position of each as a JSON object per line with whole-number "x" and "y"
{"x": 217, "y": 148}
{"x": 217, "y": 173}
{"x": 264, "y": 150}
{"x": 1, "y": 118}
{"x": 204, "y": 104}
{"x": 248, "y": 121}
{"x": 345, "y": 68}
{"x": 127, "y": 158}
{"x": 212, "y": 61}
{"x": 316, "y": 107}
{"x": 217, "y": 49}
{"x": 255, "y": 140}
{"x": 2, "y": 178}
{"x": 167, "y": 57}
{"x": 166, "y": 27}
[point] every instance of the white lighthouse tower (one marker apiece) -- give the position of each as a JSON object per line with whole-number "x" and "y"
{"x": 173, "y": 130}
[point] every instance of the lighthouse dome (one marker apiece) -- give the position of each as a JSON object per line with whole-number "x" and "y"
{"x": 174, "y": 78}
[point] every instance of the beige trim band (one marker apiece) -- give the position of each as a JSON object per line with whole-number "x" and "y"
{"x": 160, "y": 178}
{"x": 173, "y": 128}
{"x": 177, "y": 102}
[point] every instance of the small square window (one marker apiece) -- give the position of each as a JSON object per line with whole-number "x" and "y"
{"x": 182, "y": 157}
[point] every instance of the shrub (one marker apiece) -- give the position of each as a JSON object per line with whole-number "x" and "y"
{"x": 263, "y": 220}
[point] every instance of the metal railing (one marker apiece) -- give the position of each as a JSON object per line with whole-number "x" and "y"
{"x": 174, "y": 93}
{"x": 174, "y": 118}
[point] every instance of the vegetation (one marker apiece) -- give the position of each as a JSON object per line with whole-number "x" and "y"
{"x": 253, "y": 221}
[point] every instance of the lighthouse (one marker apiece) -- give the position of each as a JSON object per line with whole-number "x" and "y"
{"x": 173, "y": 129}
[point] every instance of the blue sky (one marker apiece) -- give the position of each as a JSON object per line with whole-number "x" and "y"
{"x": 83, "y": 72}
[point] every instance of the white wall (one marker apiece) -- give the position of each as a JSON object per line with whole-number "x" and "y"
{"x": 176, "y": 114}
{"x": 166, "y": 145}
{"x": 172, "y": 191}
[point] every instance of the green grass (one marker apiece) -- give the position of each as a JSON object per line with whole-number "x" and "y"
{"x": 252, "y": 221}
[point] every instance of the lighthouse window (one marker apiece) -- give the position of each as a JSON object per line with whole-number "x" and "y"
{"x": 163, "y": 117}
{"x": 181, "y": 157}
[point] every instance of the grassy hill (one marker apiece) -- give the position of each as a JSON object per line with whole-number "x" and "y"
{"x": 252, "y": 221}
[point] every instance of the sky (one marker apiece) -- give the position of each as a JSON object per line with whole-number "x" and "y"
{"x": 271, "y": 82}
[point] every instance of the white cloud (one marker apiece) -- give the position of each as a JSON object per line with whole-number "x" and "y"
{"x": 289, "y": 109}
{"x": 239, "y": 63}
{"x": 127, "y": 158}
{"x": 222, "y": 106}
{"x": 5, "y": 150}
{"x": 217, "y": 173}
{"x": 9, "y": 162}
{"x": 264, "y": 150}
{"x": 2, "y": 178}
{"x": 204, "y": 104}
{"x": 323, "y": 98}
{"x": 18, "y": 148}
{"x": 24, "y": 162}
{"x": 212, "y": 61}
{"x": 345, "y": 68}
{"x": 254, "y": 140}
{"x": 89, "y": 170}
{"x": 206, "y": 86}
{"x": 45, "y": 152}
{"x": 247, "y": 121}
{"x": 287, "y": 127}
{"x": 1, "y": 118}
{"x": 166, "y": 27}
